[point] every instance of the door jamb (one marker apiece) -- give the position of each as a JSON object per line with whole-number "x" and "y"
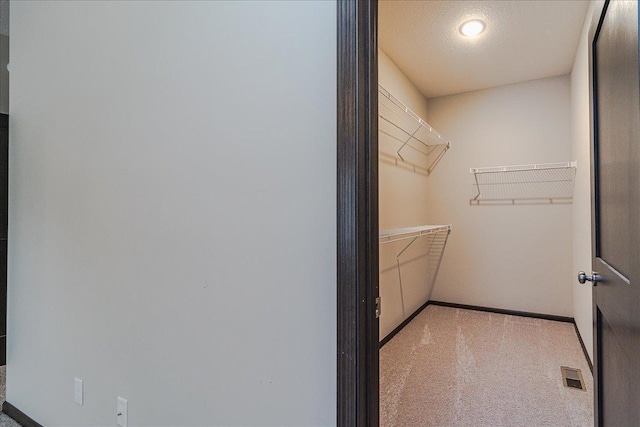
{"x": 357, "y": 210}
{"x": 357, "y": 231}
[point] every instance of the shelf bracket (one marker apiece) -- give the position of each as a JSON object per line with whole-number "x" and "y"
{"x": 406, "y": 142}
{"x": 475, "y": 176}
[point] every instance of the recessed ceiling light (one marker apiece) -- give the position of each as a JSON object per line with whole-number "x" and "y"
{"x": 472, "y": 28}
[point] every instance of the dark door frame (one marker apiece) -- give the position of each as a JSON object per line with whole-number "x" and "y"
{"x": 357, "y": 245}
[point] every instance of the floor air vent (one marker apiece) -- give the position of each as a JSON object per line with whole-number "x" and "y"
{"x": 572, "y": 378}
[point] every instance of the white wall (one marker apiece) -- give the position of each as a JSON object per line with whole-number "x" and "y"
{"x": 4, "y": 74}
{"x": 515, "y": 257}
{"x": 173, "y": 212}
{"x": 581, "y": 143}
{"x": 403, "y": 203}
{"x": 393, "y": 79}
{"x": 399, "y": 185}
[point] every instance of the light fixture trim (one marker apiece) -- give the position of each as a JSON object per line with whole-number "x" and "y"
{"x": 472, "y": 28}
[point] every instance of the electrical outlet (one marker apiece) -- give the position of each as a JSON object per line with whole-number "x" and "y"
{"x": 121, "y": 416}
{"x": 78, "y": 391}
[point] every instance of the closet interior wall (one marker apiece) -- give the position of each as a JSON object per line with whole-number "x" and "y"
{"x": 581, "y": 145}
{"x": 403, "y": 203}
{"x": 507, "y": 256}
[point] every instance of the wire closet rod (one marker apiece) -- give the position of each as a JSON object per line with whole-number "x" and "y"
{"x": 397, "y": 109}
{"x": 521, "y": 168}
{"x": 399, "y": 234}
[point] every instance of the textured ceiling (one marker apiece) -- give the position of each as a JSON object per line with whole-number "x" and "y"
{"x": 524, "y": 40}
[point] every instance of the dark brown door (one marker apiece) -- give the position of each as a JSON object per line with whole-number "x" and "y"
{"x": 616, "y": 191}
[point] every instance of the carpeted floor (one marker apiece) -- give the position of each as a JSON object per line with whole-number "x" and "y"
{"x": 453, "y": 367}
{"x": 3, "y": 383}
{"x": 5, "y": 421}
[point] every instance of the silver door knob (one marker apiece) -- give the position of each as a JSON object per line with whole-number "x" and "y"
{"x": 583, "y": 277}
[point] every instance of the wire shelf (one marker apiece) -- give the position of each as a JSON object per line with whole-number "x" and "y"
{"x": 395, "y": 235}
{"x": 546, "y": 182}
{"x": 436, "y": 245}
{"x": 399, "y": 122}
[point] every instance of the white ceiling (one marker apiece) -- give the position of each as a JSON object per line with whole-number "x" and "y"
{"x": 523, "y": 40}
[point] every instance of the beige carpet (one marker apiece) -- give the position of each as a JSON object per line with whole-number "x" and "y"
{"x": 453, "y": 367}
{"x": 5, "y": 421}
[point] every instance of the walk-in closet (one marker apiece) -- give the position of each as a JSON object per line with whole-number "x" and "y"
{"x": 484, "y": 213}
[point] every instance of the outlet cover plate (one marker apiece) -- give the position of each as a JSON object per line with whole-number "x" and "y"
{"x": 121, "y": 415}
{"x": 78, "y": 391}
